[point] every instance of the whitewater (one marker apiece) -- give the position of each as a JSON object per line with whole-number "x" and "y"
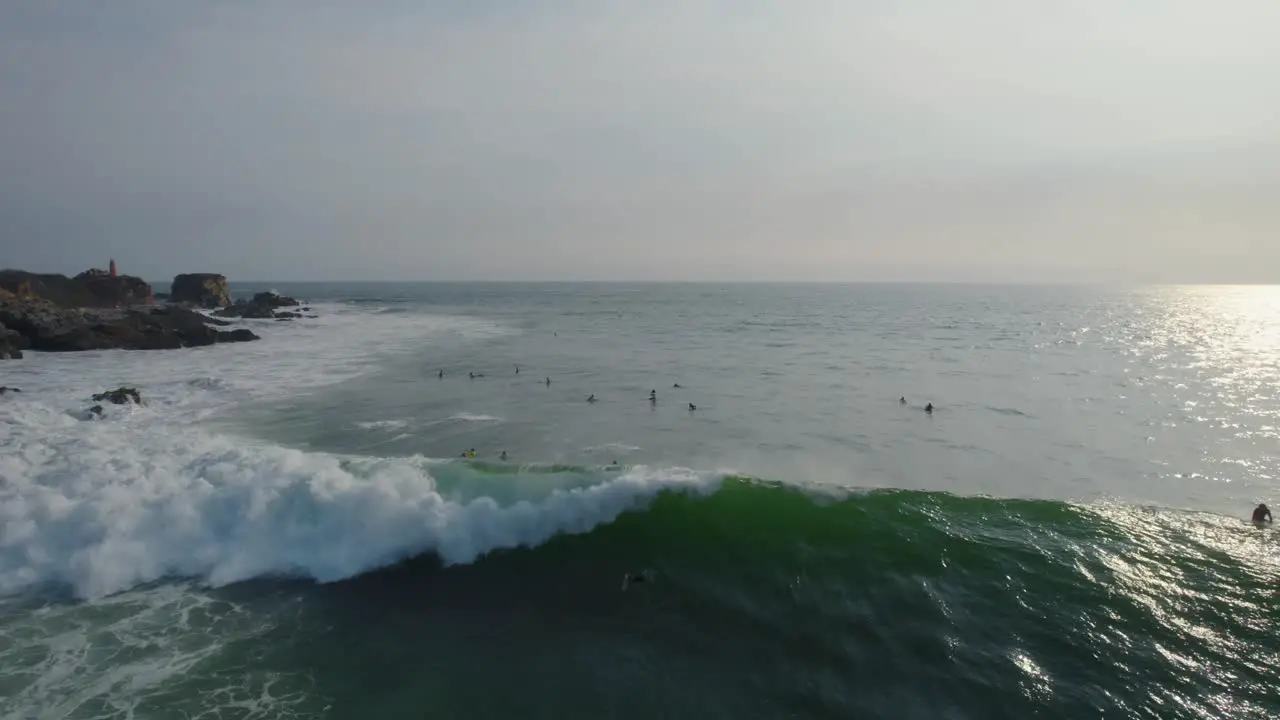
{"x": 146, "y": 493}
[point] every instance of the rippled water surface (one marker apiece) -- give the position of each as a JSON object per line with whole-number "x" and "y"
{"x": 286, "y": 528}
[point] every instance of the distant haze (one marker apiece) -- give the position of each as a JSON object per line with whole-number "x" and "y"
{"x": 573, "y": 139}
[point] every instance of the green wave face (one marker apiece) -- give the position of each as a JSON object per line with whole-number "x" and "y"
{"x": 847, "y": 607}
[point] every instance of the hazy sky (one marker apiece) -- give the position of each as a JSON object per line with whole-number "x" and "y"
{"x": 648, "y": 139}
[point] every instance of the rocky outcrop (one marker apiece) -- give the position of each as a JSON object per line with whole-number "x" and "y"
{"x": 11, "y": 344}
{"x": 109, "y": 290}
{"x": 89, "y": 289}
{"x": 119, "y": 396}
{"x": 247, "y": 311}
{"x": 44, "y": 326}
{"x": 57, "y": 289}
{"x": 262, "y": 306}
{"x": 206, "y": 290}
{"x": 275, "y": 300}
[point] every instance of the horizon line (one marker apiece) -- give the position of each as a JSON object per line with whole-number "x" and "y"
{"x": 586, "y": 281}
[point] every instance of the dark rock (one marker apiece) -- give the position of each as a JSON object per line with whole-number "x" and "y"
{"x": 96, "y": 411}
{"x": 11, "y": 344}
{"x": 46, "y": 327}
{"x": 33, "y": 318}
{"x": 6, "y": 389}
{"x": 114, "y": 290}
{"x": 119, "y": 396}
{"x": 205, "y": 318}
{"x": 206, "y": 290}
{"x": 92, "y": 288}
{"x": 285, "y": 315}
{"x": 57, "y": 289}
{"x": 274, "y": 300}
{"x": 241, "y": 335}
{"x": 260, "y": 307}
{"x": 246, "y": 310}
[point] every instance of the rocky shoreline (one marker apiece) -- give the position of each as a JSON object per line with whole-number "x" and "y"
{"x": 100, "y": 310}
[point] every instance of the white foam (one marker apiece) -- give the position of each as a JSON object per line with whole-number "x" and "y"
{"x": 472, "y": 417}
{"x": 59, "y": 657}
{"x": 382, "y": 424}
{"x": 104, "y": 509}
{"x": 613, "y": 446}
{"x": 341, "y": 343}
{"x": 147, "y": 492}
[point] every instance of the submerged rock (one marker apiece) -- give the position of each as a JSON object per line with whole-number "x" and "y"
{"x": 119, "y": 396}
{"x": 206, "y": 290}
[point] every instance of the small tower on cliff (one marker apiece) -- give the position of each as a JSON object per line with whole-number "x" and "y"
{"x": 112, "y": 268}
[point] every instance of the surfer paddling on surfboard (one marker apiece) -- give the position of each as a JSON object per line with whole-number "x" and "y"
{"x": 634, "y": 577}
{"x": 1262, "y": 514}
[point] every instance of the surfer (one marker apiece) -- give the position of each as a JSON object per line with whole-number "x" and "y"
{"x": 503, "y": 456}
{"x": 929, "y": 408}
{"x": 470, "y": 453}
{"x": 902, "y": 400}
{"x": 635, "y": 577}
{"x": 676, "y": 385}
{"x": 517, "y": 369}
{"x": 592, "y": 398}
{"x": 440, "y": 374}
{"x": 1262, "y": 513}
{"x": 653, "y": 396}
{"x": 692, "y": 407}
{"x": 548, "y": 382}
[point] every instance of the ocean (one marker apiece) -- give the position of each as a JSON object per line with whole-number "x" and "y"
{"x": 289, "y": 528}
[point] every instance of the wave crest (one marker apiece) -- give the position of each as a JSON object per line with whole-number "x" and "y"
{"x": 139, "y": 507}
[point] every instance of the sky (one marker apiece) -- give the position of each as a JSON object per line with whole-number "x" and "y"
{"x": 826, "y": 140}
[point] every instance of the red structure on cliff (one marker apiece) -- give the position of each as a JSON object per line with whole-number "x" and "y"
{"x": 112, "y": 270}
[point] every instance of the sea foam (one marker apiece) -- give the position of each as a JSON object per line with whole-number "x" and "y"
{"x": 148, "y": 492}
